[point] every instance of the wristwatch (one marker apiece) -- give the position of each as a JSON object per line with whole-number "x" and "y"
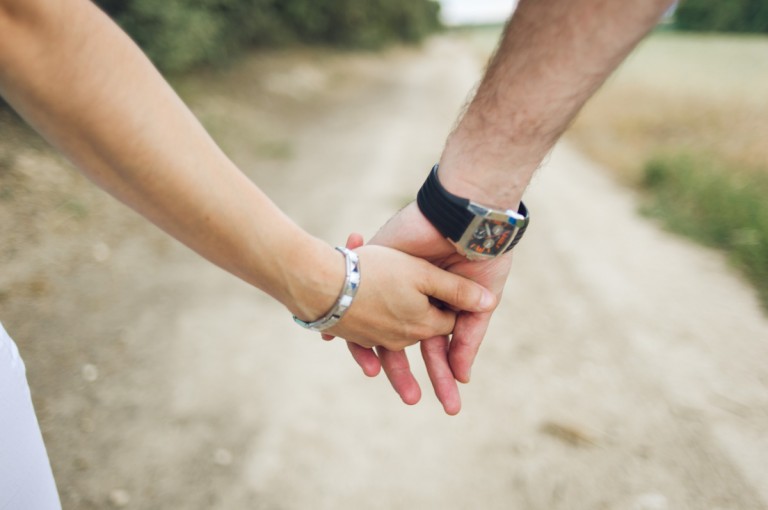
{"x": 477, "y": 231}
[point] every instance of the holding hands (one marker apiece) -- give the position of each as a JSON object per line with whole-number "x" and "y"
{"x": 158, "y": 159}
{"x": 448, "y": 354}
{"x": 447, "y": 359}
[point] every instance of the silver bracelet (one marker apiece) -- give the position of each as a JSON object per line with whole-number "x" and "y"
{"x": 351, "y": 283}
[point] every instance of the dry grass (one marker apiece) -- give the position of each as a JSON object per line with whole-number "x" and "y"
{"x": 687, "y": 117}
{"x": 705, "y": 94}
{"x": 698, "y": 94}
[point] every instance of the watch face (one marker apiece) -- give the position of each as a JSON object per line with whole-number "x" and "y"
{"x": 489, "y": 238}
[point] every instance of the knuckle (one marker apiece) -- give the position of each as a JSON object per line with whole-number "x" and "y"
{"x": 432, "y": 348}
{"x": 465, "y": 291}
{"x": 428, "y": 278}
{"x": 414, "y": 332}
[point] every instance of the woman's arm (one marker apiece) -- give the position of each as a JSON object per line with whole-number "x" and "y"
{"x": 87, "y": 88}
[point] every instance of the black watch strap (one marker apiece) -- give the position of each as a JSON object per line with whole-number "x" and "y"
{"x": 523, "y": 211}
{"x": 446, "y": 211}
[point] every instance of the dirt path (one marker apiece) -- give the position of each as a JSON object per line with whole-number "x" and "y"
{"x": 625, "y": 368}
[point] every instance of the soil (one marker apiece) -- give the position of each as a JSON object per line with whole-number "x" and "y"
{"x": 624, "y": 369}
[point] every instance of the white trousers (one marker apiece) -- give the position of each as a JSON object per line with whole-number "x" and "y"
{"x": 26, "y": 480}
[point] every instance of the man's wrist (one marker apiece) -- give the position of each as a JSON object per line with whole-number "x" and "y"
{"x": 478, "y": 231}
{"x": 487, "y": 171}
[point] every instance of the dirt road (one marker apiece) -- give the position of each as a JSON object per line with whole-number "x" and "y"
{"x": 625, "y": 368}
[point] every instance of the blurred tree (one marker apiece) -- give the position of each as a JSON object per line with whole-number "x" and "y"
{"x": 362, "y": 24}
{"x": 178, "y": 34}
{"x": 723, "y": 16}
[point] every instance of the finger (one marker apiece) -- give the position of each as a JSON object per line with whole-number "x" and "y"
{"x": 440, "y": 322}
{"x": 366, "y": 358}
{"x": 458, "y": 292}
{"x": 398, "y": 370}
{"x": 354, "y": 240}
{"x": 435, "y": 353}
{"x": 465, "y": 343}
{"x": 327, "y": 337}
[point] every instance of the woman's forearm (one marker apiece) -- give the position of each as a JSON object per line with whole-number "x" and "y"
{"x": 83, "y": 84}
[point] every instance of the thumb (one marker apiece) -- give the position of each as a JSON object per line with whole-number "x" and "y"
{"x": 459, "y": 292}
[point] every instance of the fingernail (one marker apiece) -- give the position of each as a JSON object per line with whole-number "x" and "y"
{"x": 487, "y": 301}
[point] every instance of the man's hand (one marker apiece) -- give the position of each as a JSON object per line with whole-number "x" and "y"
{"x": 446, "y": 360}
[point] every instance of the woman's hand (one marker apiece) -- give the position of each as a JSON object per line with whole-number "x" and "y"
{"x": 401, "y": 300}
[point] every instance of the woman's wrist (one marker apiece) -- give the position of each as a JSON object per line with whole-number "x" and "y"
{"x": 314, "y": 276}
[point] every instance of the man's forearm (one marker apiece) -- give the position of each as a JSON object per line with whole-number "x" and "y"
{"x": 553, "y": 55}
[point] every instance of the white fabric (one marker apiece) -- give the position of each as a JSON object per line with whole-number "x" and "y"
{"x": 26, "y": 480}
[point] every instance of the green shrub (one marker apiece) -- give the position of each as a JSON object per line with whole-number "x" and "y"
{"x": 719, "y": 207}
{"x": 723, "y": 16}
{"x": 179, "y": 34}
{"x": 359, "y": 24}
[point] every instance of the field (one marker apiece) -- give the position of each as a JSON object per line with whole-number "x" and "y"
{"x": 686, "y": 118}
{"x": 701, "y": 94}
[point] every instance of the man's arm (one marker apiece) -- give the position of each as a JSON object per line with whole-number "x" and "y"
{"x": 86, "y": 87}
{"x": 553, "y": 55}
